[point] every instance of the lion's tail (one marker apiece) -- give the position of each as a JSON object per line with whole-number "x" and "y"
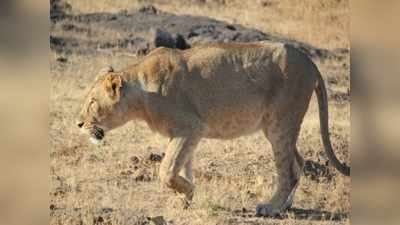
{"x": 324, "y": 124}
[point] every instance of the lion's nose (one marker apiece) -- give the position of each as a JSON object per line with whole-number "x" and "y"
{"x": 80, "y": 124}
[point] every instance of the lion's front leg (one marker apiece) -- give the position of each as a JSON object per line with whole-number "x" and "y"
{"x": 177, "y": 160}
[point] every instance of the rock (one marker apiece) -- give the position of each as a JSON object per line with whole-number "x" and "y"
{"x": 161, "y": 38}
{"x": 230, "y": 27}
{"x": 180, "y": 42}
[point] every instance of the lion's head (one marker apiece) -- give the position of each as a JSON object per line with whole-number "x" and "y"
{"x": 104, "y": 107}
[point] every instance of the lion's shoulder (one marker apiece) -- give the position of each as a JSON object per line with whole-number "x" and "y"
{"x": 160, "y": 51}
{"x": 159, "y": 68}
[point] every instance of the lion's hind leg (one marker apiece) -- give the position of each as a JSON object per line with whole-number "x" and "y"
{"x": 186, "y": 171}
{"x": 289, "y": 166}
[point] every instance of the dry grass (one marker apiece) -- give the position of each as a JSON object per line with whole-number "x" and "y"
{"x": 95, "y": 185}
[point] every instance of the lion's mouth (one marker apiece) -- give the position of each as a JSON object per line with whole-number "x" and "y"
{"x": 97, "y": 133}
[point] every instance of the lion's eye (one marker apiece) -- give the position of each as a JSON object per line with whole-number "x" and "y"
{"x": 94, "y": 106}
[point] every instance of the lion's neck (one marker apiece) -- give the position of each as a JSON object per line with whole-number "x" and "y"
{"x": 146, "y": 106}
{"x": 153, "y": 114}
{"x": 134, "y": 103}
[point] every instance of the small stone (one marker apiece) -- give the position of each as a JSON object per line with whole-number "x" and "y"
{"x": 161, "y": 38}
{"x": 154, "y": 157}
{"x": 98, "y": 220}
{"x": 158, "y": 220}
{"x": 62, "y": 60}
{"x": 135, "y": 159}
{"x": 230, "y": 27}
{"x": 107, "y": 210}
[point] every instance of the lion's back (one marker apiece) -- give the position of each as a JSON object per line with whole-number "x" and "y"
{"x": 232, "y": 72}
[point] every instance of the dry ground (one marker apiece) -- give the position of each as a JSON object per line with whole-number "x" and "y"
{"x": 117, "y": 183}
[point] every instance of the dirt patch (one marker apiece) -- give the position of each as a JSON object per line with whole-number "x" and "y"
{"x": 143, "y": 29}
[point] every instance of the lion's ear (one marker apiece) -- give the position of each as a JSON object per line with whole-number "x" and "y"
{"x": 112, "y": 85}
{"x": 104, "y": 71}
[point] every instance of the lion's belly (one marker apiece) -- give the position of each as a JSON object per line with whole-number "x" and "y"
{"x": 225, "y": 123}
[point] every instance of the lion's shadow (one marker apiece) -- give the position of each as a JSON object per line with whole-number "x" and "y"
{"x": 312, "y": 214}
{"x": 301, "y": 214}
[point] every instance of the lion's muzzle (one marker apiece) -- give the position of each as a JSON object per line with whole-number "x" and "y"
{"x": 97, "y": 133}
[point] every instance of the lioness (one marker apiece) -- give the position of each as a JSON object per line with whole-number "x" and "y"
{"x": 215, "y": 91}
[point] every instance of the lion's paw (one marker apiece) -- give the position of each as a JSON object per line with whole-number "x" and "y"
{"x": 267, "y": 210}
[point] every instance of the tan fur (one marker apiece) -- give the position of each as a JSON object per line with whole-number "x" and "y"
{"x": 213, "y": 91}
